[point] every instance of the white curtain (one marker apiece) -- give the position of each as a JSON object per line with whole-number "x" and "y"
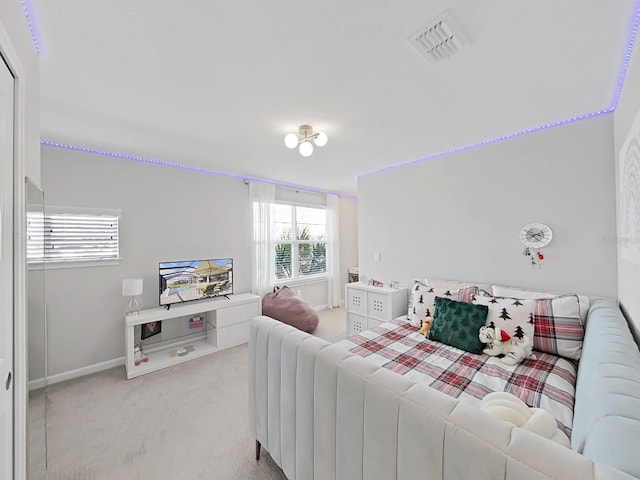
{"x": 261, "y": 197}
{"x": 334, "y": 290}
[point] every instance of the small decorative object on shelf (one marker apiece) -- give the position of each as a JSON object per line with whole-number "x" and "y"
{"x": 150, "y": 329}
{"x": 375, "y": 283}
{"x": 138, "y": 355}
{"x": 196, "y": 322}
{"x": 354, "y": 275}
{"x": 181, "y": 352}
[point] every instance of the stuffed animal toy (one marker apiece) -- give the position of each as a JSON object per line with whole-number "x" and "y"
{"x": 499, "y": 343}
{"x": 426, "y": 325}
{"x": 496, "y": 339}
{"x": 510, "y": 408}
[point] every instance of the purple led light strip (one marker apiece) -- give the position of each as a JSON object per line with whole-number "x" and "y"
{"x": 30, "y": 18}
{"x": 626, "y": 59}
{"x": 207, "y": 171}
{"x": 489, "y": 141}
{"x": 613, "y": 105}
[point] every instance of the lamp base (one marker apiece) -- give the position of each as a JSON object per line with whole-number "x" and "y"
{"x": 134, "y": 307}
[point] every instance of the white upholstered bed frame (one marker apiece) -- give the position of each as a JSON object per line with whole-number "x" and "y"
{"x": 323, "y": 413}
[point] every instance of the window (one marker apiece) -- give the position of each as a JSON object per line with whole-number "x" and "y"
{"x": 71, "y": 235}
{"x": 300, "y": 235}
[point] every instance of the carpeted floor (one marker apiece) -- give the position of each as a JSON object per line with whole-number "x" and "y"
{"x": 189, "y": 421}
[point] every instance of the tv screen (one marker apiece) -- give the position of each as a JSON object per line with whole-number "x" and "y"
{"x": 195, "y": 279}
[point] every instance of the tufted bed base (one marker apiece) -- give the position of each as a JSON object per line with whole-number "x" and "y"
{"x": 323, "y": 413}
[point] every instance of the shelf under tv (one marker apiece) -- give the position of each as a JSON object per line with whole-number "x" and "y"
{"x": 227, "y": 323}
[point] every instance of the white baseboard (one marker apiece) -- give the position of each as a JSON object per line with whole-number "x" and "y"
{"x": 324, "y": 307}
{"x": 98, "y": 367}
{"x": 78, "y": 372}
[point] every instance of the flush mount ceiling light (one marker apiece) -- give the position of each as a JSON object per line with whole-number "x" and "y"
{"x": 303, "y": 140}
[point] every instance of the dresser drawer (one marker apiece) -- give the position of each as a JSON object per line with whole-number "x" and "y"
{"x": 356, "y": 301}
{"x": 356, "y": 323}
{"x": 379, "y": 306}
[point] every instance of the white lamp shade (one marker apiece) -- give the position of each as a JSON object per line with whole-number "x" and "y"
{"x": 306, "y": 149}
{"x": 291, "y": 140}
{"x": 321, "y": 139}
{"x": 131, "y": 287}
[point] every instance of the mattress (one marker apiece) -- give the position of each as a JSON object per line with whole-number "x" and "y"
{"x": 547, "y": 382}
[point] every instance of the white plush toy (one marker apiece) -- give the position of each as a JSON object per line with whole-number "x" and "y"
{"x": 511, "y": 409}
{"x": 500, "y": 342}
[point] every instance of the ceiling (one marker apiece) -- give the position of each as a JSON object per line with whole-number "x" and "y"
{"x": 218, "y": 84}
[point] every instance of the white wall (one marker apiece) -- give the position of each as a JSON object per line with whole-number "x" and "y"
{"x": 628, "y": 272}
{"x": 167, "y": 214}
{"x": 348, "y": 237}
{"x": 459, "y": 216}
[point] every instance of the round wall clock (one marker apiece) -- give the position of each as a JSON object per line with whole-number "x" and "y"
{"x": 535, "y": 235}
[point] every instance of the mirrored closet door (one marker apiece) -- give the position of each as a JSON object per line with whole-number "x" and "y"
{"x": 37, "y": 329}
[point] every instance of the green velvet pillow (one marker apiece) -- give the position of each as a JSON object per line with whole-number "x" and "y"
{"x": 457, "y": 324}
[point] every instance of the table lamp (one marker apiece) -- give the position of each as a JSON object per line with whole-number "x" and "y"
{"x": 131, "y": 287}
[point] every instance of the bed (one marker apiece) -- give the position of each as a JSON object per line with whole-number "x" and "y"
{"x": 546, "y": 382}
{"x": 380, "y": 406}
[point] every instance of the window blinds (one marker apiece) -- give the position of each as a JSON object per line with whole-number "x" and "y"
{"x": 64, "y": 237}
{"x": 300, "y": 235}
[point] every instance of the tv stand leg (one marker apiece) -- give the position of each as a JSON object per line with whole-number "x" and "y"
{"x": 258, "y": 450}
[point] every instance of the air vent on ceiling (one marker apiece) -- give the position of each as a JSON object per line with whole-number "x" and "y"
{"x": 438, "y": 40}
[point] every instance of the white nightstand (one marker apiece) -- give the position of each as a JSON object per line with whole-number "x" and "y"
{"x": 369, "y": 306}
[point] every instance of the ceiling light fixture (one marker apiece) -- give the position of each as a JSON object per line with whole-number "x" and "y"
{"x": 303, "y": 139}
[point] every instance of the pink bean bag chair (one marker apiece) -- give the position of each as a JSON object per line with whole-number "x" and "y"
{"x": 284, "y": 305}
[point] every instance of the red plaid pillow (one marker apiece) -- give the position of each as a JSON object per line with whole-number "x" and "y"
{"x": 555, "y": 322}
{"x": 558, "y": 327}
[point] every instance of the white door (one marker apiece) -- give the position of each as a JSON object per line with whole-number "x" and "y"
{"x": 6, "y": 271}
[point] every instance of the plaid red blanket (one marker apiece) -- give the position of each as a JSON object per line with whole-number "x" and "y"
{"x": 547, "y": 382}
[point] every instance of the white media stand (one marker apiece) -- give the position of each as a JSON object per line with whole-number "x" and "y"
{"x": 225, "y": 324}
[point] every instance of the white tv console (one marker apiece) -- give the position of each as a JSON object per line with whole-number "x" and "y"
{"x": 225, "y": 324}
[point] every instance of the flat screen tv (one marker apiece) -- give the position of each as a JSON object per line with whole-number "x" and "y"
{"x": 195, "y": 280}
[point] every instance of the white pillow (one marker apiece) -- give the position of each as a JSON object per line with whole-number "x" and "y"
{"x": 500, "y": 291}
{"x": 514, "y": 316}
{"x": 410, "y": 315}
{"x": 423, "y": 298}
{"x": 559, "y": 325}
{"x": 455, "y": 284}
{"x": 450, "y": 284}
{"x": 424, "y": 302}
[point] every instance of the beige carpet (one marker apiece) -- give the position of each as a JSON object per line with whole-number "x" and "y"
{"x": 189, "y": 421}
